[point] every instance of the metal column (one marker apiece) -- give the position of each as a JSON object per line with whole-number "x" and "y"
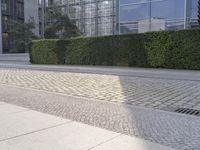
{"x": 1, "y": 42}
{"x": 187, "y": 13}
{"x": 113, "y": 17}
{"x": 119, "y": 18}
{"x": 43, "y": 5}
{"x": 96, "y": 18}
{"x": 150, "y": 14}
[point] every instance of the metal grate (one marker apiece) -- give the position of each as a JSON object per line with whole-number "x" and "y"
{"x": 188, "y": 111}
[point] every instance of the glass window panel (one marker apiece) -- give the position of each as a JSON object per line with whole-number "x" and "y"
{"x": 144, "y": 15}
{"x": 133, "y": 28}
{"x": 133, "y": 1}
{"x": 4, "y": 6}
{"x": 134, "y": 12}
{"x": 194, "y": 8}
{"x": 168, "y": 9}
{"x": 167, "y": 15}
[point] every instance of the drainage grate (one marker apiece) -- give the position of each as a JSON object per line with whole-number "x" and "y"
{"x": 188, "y": 111}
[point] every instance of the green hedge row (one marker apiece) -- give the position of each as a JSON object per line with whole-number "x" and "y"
{"x": 166, "y": 49}
{"x": 48, "y": 51}
{"x": 175, "y": 49}
{"x": 108, "y": 50}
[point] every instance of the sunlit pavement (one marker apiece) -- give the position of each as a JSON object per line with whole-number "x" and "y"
{"x": 24, "y": 129}
{"x": 116, "y": 101}
{"x": 161, "y": 89}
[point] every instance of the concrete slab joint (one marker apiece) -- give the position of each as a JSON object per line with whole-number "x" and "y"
{"x": 37, "y": 131}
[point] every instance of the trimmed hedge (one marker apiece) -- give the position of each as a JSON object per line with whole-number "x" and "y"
{"x": 48, "y": 51}
{"x": 108, "y": 50}
{"x": 174, "y": 49}
{"x": 166, "y": 49}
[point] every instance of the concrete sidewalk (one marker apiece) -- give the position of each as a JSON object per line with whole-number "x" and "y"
{"x": 24, "y": 129}
{"x": 18, "y": 58}
{"x": 192, "y": 75}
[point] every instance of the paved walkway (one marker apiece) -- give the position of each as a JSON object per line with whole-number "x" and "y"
{"x": 119, "y": 71}
{"x": 165, "y": 128}
{"x": 24, "y": 129}
{"x": 161, "y": 93}
{"x": 19, "y": 58}
{"x": 115, "y": 99}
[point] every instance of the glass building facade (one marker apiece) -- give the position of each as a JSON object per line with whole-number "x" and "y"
{"x": 93, "y": 17}
{"x": 107, "y": 17}
{"x": 10, "y": 10}
{"x": 138, "y": 16}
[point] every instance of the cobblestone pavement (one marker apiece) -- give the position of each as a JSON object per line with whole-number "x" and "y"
{"x": 166, "y": 128}
{"x": 146, "y": 92}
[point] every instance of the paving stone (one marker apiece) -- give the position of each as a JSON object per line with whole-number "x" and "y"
{"x": 170, "y": 129}
{"x": 23, "y": 122}
{"x": 7, "y": 109}
{"x": 148, "y": 92}
{"x": 100, "y": 100}
{"x": 70, "y": 136}
{"x": 127, "y": 143}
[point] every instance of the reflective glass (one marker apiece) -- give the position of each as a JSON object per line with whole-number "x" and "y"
{"x": 152, "y": 15}
{"x": 135, "y": 12}
{"x": 167, "y": 15}
{"x": 134, "y": 16}
{"x": 133, "y": 1}
{"x": 194, "y": 8}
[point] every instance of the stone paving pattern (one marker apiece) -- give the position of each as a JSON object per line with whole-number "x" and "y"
{"x": 87, "y": 98}
{"x": 146, "y": 92}
{"x": 171, "y": 129}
